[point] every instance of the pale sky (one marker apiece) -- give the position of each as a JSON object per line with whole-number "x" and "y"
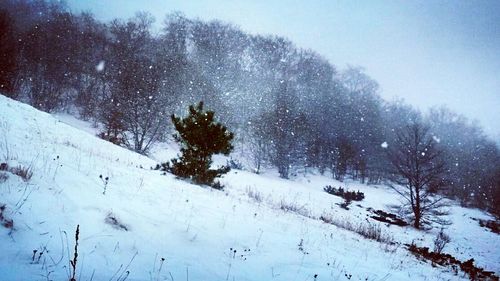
{"x": 427, "y": 52}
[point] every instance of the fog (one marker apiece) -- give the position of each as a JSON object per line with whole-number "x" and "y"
{"x": 428, "y": 53}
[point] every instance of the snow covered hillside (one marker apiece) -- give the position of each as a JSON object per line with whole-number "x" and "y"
{"x": 137, "y": 224}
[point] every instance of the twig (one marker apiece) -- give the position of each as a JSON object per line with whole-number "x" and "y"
{"x": 75, "y": 257}
{"x": 126, "y": 267}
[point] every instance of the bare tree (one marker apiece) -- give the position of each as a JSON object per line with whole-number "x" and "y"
{"x": 91, "y": 78}
{"x": 136, "y": 102}
{"x": 256, "y": 144}
{"x": 417, "y": 164}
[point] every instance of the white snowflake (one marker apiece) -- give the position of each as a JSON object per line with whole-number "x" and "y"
{"x": 100, "y": 66}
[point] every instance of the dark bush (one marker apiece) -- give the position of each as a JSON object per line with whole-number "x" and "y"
{"x": 345, "y": 204}
{"x": 386, "y": 217}
{"x": 7, "y": 223}
{"x": 494, "y": 226}
{"x": 346, "y": 194}
{"x": 475, "y": 273}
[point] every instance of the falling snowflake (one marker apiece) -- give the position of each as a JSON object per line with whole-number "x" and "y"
{"x": 384, "y": 144}
{"x": 100, "y": 66}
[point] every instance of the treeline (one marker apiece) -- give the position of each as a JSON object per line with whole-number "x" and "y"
{"x": 290, "y": 108}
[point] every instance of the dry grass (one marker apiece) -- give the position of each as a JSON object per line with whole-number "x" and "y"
{"x": 294, "y": 207}
{"x": 368, "y": 230}
{"x": 3, "y": 177}
{"x": 254, "y": 194}
{"x": 23, "y": 172}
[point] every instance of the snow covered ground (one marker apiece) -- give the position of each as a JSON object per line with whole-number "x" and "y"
{"x": 202, "y": 234}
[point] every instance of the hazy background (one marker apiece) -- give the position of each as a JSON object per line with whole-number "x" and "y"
{"x": 427, "y": 52}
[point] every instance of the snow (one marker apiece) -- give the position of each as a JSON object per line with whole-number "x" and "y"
{"x": 100, "y": 66}
{"x": 195, "y": 229}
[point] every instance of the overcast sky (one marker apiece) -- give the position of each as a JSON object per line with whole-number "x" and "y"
{"x": 427, "y": 52}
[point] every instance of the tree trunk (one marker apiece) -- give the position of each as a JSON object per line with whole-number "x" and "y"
{"x": 416, "y": 224}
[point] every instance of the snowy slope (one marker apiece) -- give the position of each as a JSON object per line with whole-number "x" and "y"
{"x": 201, "y": 233}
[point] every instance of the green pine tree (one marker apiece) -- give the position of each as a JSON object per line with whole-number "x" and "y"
{"x": 200, "y": 137}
